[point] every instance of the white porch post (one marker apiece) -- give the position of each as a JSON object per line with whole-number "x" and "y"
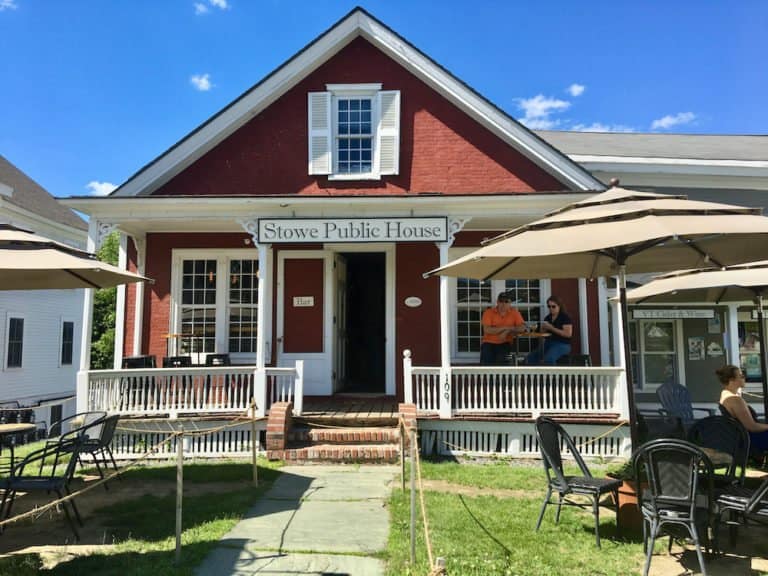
{"x": 96, "y": 233}
{"x": 122, "y": 263}
{"x": 583, "y": 316}
{"x": 260, "y": 390}
{"x": 732, "y": 330}
{"x": 605, "y": 342}
{"x": 620, "y": 359}
{"x": 138, "y": 312}
{"x": 446, "y": 400}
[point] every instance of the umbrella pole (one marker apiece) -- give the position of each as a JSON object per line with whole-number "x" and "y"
{"x": 628, "y": 357}
{"x": 763, "y": 352}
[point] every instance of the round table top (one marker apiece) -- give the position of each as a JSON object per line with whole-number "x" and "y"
{"x": 15, "y": 428}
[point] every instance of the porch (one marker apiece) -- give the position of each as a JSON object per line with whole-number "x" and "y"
{"x": 469, "y": 410}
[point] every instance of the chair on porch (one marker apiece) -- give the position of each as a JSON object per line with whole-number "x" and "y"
{"x": 136, "y": 362}
{"x": 675, "y": 400}
{"x": 551, "y": 437}
{"x": 177, "y": 361}
{"x": 218, "y": 360}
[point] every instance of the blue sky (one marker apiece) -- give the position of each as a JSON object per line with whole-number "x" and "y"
{"x": 92, "y": 90}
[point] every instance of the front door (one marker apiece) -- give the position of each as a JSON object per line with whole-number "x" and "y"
{"x": 303, "y": 332}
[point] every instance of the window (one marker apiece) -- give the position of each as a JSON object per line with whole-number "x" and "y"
{"x": 15, "y": 331}
{"x": 217, "y": 304}
{"x": 653, "y": 345}
{"x": 354, "y": 131}
{"x": 471, "y": 298}
{"x": 749, "y": 348}
{"x": 67, "y": 342}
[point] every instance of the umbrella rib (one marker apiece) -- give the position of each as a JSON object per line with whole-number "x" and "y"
{"x": 506, "y": 264}
{"x": 82, "y": 279}
{"x": 707, "y": 257}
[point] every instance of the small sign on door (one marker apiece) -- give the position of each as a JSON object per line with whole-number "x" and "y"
{"x": 303, "y": 301}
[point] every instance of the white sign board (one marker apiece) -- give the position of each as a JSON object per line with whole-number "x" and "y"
{"x": 645, "y": 314}
{"x": 303, "y": 301}
{"x": 304, "y": 230}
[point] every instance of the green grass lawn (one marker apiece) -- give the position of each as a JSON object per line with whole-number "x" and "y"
{"x": 143, "y": 530}
{"x": 487, "y": 535}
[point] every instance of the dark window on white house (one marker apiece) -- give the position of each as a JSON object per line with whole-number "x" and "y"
{"x": 15, "y": 342}
{"x": 67, "y": 342}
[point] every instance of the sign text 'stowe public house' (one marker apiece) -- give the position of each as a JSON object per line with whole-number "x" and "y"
{"x": 292, "y": 230}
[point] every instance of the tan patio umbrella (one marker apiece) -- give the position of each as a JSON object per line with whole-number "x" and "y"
{"x": 738, "y": 283}
{"x": 618, "y": 232}
{"x": 29, "y": 261}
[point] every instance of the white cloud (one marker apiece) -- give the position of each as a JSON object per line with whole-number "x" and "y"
{"x": 576, "y": 89}
{"x": 539, "y": 109}
{"x": 8, "y": 5}
{"x": 600, "y": 127}
{"x": 203, "y": 8}
{"x": 100, "y": 188}
{"x": 201, "y": 81}
{"x": 671, "y": 120}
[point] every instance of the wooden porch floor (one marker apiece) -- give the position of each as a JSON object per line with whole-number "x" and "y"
{"x": 350, "y": 409}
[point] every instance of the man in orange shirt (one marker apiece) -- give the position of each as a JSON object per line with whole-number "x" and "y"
{"x": 500, "y": 324}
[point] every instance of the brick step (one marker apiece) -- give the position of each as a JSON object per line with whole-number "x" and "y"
{"x": 346, "y": 435}
{"x": 371, "y": 453}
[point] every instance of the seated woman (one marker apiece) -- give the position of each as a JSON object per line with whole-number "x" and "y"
{"x": 732, "y": 379}
{"x": 560, "y": 328}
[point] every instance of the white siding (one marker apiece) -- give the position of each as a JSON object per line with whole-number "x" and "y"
{"x": 40, "y": 376}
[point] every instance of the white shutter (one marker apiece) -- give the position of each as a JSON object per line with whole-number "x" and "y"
{"x": 320, "y": 152}
{"x": 388, "y": 133}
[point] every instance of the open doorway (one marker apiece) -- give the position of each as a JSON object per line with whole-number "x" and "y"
{"x": 363, "y": 326}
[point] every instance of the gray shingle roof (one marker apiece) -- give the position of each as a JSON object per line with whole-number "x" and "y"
{"x": 635, "y": 144}
{"x": 29, "y": 195}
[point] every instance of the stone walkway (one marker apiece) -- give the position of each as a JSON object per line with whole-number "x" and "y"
{"x": 315, "y": 520}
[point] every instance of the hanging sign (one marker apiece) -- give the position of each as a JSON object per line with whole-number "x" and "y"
{"x": 645, "y": 314}
{"x": 309, "y": 230}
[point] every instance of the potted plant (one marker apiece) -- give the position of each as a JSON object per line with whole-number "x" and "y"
{"x": 628, "y": 512}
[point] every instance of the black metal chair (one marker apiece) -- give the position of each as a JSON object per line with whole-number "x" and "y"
{"x": 742, "y": 505}
{"x": 654, "y": 426}
{"x": 100, "y": 447}
{"x": 574, "y": 360}
{"x": 552, "y": 437}
{"x": 177, "y": 361}
{"x": 81, "y": 426}
{"x": 136, "y": 362}
{"x": 672, "y": 474}
{"x": 46, "y": 480}
{"x": 218, "y": 360}
{"x": 727, "y": 435}
{"x": 760, "y": 457}
{"x": 675, "y": 400}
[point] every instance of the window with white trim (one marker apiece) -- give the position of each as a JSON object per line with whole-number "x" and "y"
{"x": 67, "y": 342}
{"x": 217, "y": 303}
{"x": 14, "y": 330}
{"x": 470, "y": 298}
{"x": 654, "y": 349}
{"x": 354, "y": 132}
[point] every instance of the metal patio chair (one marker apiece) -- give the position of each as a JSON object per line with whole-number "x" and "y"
{"x": 48, "y": 478}
{"x": 675, "y": 474}
{"x": 552, "y": 438}
{"x": 742, "y": 505}
{"x": 100, "y": 447}
{"x": 724, "y": 434}
{"x": 81, "y": 426}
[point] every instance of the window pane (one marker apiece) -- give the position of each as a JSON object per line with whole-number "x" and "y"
{"x": 67, "y": 342}
{"x": 659, "y": 368}
{"x": 15, "y": 342}
{"x": 658, "y": 337}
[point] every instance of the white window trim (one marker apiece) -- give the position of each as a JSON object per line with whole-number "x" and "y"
{"x": 222, "y": 257}
{"x": 61, "y": 339}
{"x": 351, "y": 91}
{"x": 640, "y": 385}
{"x": 8, "y": 317}
{"x": 545, "y": 287}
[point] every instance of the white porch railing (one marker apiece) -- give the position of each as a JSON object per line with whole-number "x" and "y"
{"x": 174, "y": 391}
{"x": 530, "y": 390}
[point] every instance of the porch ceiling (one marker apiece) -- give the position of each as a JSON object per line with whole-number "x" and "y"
{"x": 141, "y": 215}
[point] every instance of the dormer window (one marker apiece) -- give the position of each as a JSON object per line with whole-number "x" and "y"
{"x": 354, "y": 132}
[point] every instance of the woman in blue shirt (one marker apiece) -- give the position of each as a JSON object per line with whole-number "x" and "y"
{"x": 560, "y": 328}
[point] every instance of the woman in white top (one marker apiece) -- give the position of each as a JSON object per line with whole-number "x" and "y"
{"x": 732, "y": 379}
